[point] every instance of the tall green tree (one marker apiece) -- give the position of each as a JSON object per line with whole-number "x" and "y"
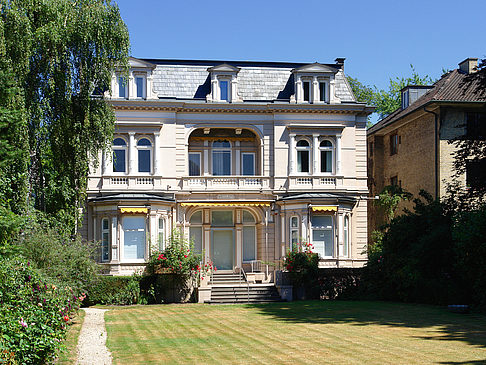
{"x": 387, "y": 101}
{"x": 62, "y": 53}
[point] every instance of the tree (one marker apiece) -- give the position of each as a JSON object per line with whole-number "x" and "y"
{"x": 386, "y": 101}
{"x": 60, "y": 53}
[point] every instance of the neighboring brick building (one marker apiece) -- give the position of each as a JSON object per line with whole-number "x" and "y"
{"x": 411, "y": 148}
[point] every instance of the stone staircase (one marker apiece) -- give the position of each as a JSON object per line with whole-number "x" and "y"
{"x": 229, "y": 288}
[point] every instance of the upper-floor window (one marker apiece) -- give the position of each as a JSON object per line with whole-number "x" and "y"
{"x": 248, "y": 163}
{"x": 122, "y": 87}
{"x": 394, "y": 144}
{"x": 224, "y": 90}
{"x": 221, "y": 156}
{"x": 327, "y": 155}
{"x": 194, "y": 164}
{"x": 119, "y": 155}
{"x": 322, "y": 91}
{"x": 303, "y": 156}
{"x": 144, "y": 147}
{"x": 140, "y": 86}
{"x": 476, "y": 126}
{"x": 306, "y": 85}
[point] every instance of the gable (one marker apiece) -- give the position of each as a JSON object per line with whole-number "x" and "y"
{"x": 223, "y": 68}
{"x": 315, "y": 68}
{"x": 136, "y": 63}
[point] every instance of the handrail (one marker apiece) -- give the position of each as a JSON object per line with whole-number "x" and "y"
{"x": 246, "y": 279}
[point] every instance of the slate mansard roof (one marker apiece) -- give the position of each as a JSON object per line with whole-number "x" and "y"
{"x": 257, "y": 81}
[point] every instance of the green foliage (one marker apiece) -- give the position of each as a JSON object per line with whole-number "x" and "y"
{"x": 390, "y": 197}
{"x": 67, "y": 259}
{"x": 302, "y": 264}
{"x": 10, "y": 227}
{"x": 57, "y": 53}
{"x": 178, "y": 258}
{"x": 34, "y": 314}
{"x": 114, "y": 290}
{"x": 386, "y": 101}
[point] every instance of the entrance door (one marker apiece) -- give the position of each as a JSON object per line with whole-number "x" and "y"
{"x": 222, "y": 247}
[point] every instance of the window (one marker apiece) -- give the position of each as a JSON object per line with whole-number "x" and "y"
{"x": 346, "y": 236}
{"x": 294, "y": 231}
{"x": 476, "y": 173}
{"x": 476, "y": 126}
{"x": 249, "y": 237}
{"x": 393, "y": 144}
{"x": 394, "y": 181}
{"x": 161, "y": 234}
{"x": 322, "y": 235}
{"x": 133, "y": 238}
{"x": 144, "y": 147}
{"x": 322, "y": 91}
{"x": 139, "y": 85}
{"x": 195, "y": 231}
{"x": 248, "y": 164}
{"x": 105, "y": 237}
{"x": 303, "y": 153}
{"x": 307, "y": 91}
{"x": 405, "y": 99}
{"x": 122, "y": 87}
{"x": 119, "y": 155}
{"x": 327, "y": 150}
{"x": 224, "y": 91}
{"x": 222, "y": 218}
{"x": 221, "y": 158}
{"x": 194, "y": 164}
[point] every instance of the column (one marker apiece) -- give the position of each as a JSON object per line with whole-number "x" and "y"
{"x": 114, "y": 243}
{"x": 214, "y": 88}
{"x": 156, "y": 154}
{"x": 315, "y": 154}
{"x": 131, "y": 153}
{"x": 298, "y": 90}
{"x": 291, "y": 153}
{"x": 340, "y": 230}
{"x": 315, "y": 90}
{"x": 238, "y": 158}
{"x": 234, "y": 90}
{"x": 154, "y": 242}
{"x": 239, "y": 244}
{"x": 206, "y": 242}
{"x": 206, "y": 158}
{"x": 338, "y": 154}
{"x": 107, "y": 166}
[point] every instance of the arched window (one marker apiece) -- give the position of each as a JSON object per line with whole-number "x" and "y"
{"x": 144, "y": 147}
{"x": 303, "y": 156}
{"x": 249, "y": 237}
{"x": 119, "y": 155}
{"x": 195, "y": 231}
{"x": 326, "y": 149}
{"x": 221, "y": 156}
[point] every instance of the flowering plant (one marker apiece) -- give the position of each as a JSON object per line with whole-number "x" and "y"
{"x": 178, "y": 257}
{"x": 302, "y": 263}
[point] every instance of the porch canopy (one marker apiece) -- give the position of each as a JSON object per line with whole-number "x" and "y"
{"x": 226, "y": 204}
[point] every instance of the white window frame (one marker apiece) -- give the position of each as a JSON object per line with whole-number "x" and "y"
{"x": 143, "y": 77}
{"x": 145, "y": 148}
{"x": 294, "y": 229}
{"x": 326, "y": 91}
{"x": 332, "y": 149}
{"x": 161, "y": 233}
{"x": 346, "y": 235}
{"x": 333, "y": 227}
{"x": 119, "y": 85}
{"x": 254, "y": 163}
{"x": 311, "y": 94}
{"x": 197, "y": 226}
{"x": 122, "y": 240}
{"x": 107, "y": 232}
{"x": 249, "y": 224}
{"x": 124, "y": 148}
{"x": 309, "y": 151}
{"x": 222, "y": 149}
{"x": 200, "y": 163}
{"x": 228, "y": 80}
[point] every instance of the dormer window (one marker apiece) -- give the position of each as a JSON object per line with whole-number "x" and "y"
{"x": 122, "y": 87}
{"x": 307, "y": 90}
{"x": 137, "y": 83}
{"x": 140, "y": 86}
{"x": 224, "y": 83}
{"x": 322, "y": 91}
{"x": 314, "y": 84}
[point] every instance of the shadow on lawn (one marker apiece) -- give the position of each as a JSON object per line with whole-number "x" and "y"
{"x": 468, "y": 328}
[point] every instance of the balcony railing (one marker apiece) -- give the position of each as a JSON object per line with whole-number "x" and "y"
{"x": 225, "y": 182}
{"x": 317, "y": 182}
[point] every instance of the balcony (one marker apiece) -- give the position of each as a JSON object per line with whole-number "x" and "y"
{"x": 315, "y": 182}
{"x": 203, "y": 183}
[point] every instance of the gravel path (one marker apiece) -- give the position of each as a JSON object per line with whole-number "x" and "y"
{"x": 92, "y": 339}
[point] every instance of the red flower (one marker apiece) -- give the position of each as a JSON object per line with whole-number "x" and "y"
{"x": 66, "y": 318}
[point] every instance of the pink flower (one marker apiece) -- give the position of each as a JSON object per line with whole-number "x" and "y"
{"x": 23, "y": 323}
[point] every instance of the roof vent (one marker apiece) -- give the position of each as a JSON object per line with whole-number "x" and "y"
{"x": 469, "y": 65}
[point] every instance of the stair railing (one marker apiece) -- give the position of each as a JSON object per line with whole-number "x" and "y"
{"x": 242, "y": 271}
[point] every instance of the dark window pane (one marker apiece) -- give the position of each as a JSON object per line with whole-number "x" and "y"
{"x": 326, "y": 161}
{"x": 139, "y": 83}
{"x": 476, "y": 174}
{"x": 121, "y": 87}
{"x": 322, "y": 91}
{"x": 118, "y": 161}
{"x": 119, "y": 142}
{"x": 476, "y": 125}
{"x": 221, "y": 163}
{"x": 143, "y": 161}
{"x": 223, "y": 85}
{"x": 144, "y": 142}
{"x": 303, "y": 161}
{"x": 306, "y": 86}
{"x": 248, "y": 164}
{"x": 194, "y": 164}
{"x": 302, "y": 143}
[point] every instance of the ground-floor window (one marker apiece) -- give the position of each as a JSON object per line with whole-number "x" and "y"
{"x": 346, "y": 235}
{"x": 105, "y": 237}
{"x": 249, "y": 237}
{"x": 161, "y": 234}
{"x": 195, "y": 231}
{"x": 134, "y": 238}
{"x": 294, "y": 231}
{"x": 322, "y": 235}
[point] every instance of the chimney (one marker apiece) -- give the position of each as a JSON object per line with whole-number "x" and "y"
{"x": 469, "y": 65}
{"x": 340, "y": 62}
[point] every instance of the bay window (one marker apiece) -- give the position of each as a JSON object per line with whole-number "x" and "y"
{"x": 134, "y": 238}
{"x": 322, "y": 235}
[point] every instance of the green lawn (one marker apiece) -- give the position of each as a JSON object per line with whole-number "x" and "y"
{"x": 332, "y": 332}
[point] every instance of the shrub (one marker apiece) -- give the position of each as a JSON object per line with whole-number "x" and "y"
{"x": 34, "y": 313}
{"x": 302, "y": 264}
{"x": 114, "y": 290}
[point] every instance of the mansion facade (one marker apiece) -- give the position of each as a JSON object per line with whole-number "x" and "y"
{"x": 246, "y": 158}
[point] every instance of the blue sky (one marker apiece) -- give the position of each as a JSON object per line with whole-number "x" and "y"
{"x": 380, "y": 39}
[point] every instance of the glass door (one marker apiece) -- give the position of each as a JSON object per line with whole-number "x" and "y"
{"x": 222, "y": 248}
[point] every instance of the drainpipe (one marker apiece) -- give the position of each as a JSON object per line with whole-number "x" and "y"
{"x": 436, "y": 148}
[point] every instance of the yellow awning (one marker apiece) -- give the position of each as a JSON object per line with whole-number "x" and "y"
{"x": 134, "y": 210}
{"x": 227, "y": 204}
{"x": 324, "y": 208}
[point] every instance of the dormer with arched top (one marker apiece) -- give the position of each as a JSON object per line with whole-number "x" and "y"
{"x": 314, "y": 84}
{"x": 224, "y": 83}
{"x": 139, "y": 84}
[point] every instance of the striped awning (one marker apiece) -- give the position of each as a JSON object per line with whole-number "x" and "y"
{"x": 134, "y": 210}
{"x": 324, "y": 208}
{"x": 225, "y": 204}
